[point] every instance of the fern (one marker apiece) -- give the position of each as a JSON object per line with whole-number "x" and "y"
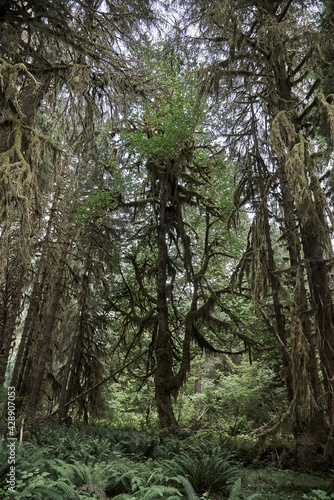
{"x": 75, "y": 472}
{"x": 235, "y": 492}
{"x": 136, "y": 443}
{"x": 209, "y": 473}
{"x": 153, "y": 492}
{"x": 125, "y": 477}
{"x": 44, "y": 489}
{"x": 92, "y": 478}
{"x": 4, "y": 465}
{"x": 170, "y": 449}
{"x": 189, "y": 490}
{"x": 94, "y": 489}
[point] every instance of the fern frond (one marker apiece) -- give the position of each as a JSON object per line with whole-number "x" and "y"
{"x": 94, "y": 489}
{"x": 189, "y": 490}
{"x": 235, "y": 490}
{"x": 205, "y": 472}
{"x": 45, "y": 489}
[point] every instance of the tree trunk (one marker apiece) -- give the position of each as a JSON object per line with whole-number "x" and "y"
{"x": 75, "y": 335}
{"x": 281, "y": 332}
{"x": 307, "y": 415}
{"x": 50, "y": 321}
{"x": 163, "y": 348}
{"x": 11, "y": 307}
{"x": 25, "y": 343}
{"x": 294, "y": 248}
{"x": 318, "y": 268}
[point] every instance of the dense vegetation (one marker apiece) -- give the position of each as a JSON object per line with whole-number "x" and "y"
{"x": 103, "y": 462}
{"x": 166, "y": 255}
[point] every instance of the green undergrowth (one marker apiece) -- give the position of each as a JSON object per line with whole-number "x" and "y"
{"x": 124, "y": 464}
{"x": 276, "y": 484}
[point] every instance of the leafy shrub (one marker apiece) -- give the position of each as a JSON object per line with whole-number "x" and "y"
{"x": 247, "y": 397}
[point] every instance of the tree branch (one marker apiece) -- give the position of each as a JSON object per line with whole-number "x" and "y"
{"x": 103, "y": 381}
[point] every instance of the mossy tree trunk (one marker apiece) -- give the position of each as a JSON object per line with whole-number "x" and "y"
{"x": 65, "y": 388}
{"x": 10, "y": 308}
{"x": 163, "y": 347}
{"x": 298, "y": 276}
{"x": 38, "y": 375}
{"x": 295, "y": 167}
{"x": 21, "y": 371}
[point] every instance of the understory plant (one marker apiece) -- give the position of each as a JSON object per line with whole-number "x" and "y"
{"x": 207, "y": 469}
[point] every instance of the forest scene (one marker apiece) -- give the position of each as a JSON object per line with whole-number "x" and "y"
{"x": 166, "y": 249}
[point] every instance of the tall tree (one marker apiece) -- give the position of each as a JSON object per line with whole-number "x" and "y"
{"x": 61, "y": 53}
{"x": 62, "y": 65}
{"x": 167, "y": 290}
{"x": 265, "y": 68}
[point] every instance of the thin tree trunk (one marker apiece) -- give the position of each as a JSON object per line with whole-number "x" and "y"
{"x": 75, "y": 335}
{"x": 281, "y": 332}
{"x": 198, "y": 383}
{"x": 11, "y": 307}
{"x": 104, "y": 381}
{"x": 50, "y": 321}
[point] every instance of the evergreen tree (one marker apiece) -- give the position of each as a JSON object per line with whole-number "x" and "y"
{"x": 264, "y": 67}
{"x": 171, "y": 270}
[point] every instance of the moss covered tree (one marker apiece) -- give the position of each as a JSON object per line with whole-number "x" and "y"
{"x": 264, "y": 67}
{"x": 170, "y": 291}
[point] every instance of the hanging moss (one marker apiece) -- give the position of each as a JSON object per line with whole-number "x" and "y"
{"x": 260, "y": 282}
{"x": 329, "y": 110}
{"x": 283, "y": 134}
{"x": 303, "y": 407}
{"x": 320, "y": 202}
{"x": 16, "y": 182}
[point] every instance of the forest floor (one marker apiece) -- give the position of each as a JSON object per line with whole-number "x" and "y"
{"x": 275, "y": 484}
{"x": 109, "y": 463}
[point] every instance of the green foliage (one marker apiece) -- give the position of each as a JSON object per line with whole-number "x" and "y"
{"x": 164, "y": 124}
{"x": 235, "y": 398}
{"x": 188, "y": 489}
{"x": 126, "y": 477}
{"x": 129, "y": 408}
{"x": 41, "y": 487}
{"x": 235, "y": 492}
{"x": 95, "y": 205}
{"x": 206, "y": 468}
{"x": 195, "y": 468}
{"x": 78, "y": 473}
{"x": 274, "y": 484}
{"x": 247, "y": 397}
{"x": 319, "y": 495}
{"x": 153, "y": 492}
